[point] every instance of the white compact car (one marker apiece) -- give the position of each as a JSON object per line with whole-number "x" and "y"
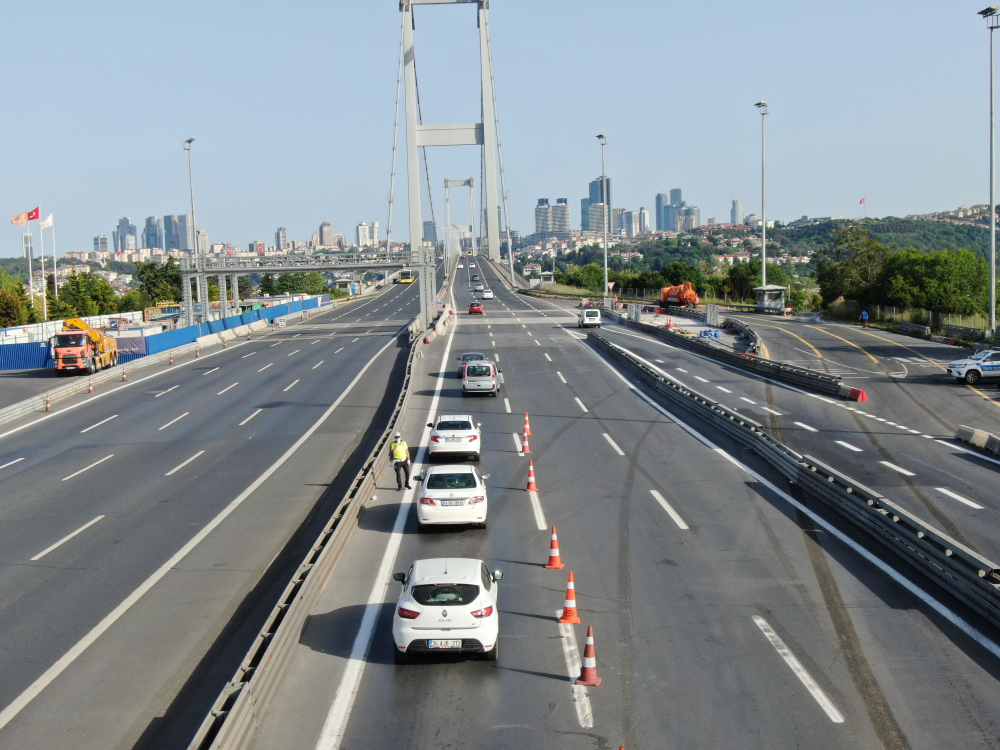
{"x": 455, "y": 493}
{"x": 461, "y": 265}
{"x": 477, "y": 287}
{"x": 455, "y": 435}
{"x": 447, "y": 605}
{"x": 487, "y": 294}
{"x": 984, "y": 364}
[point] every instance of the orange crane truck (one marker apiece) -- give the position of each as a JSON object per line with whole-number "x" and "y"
{"x": 80, "y": 348}
{"x": 679, "y": 296}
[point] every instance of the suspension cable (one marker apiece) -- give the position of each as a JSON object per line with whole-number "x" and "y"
{"x": 423, "y": 149}
{"x": 496, "y": 121}
{"x": 395, "y": 141}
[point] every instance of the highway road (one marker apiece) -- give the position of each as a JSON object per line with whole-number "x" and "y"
{"x": 147, "y": 530}
{"x": 728, "y": 610}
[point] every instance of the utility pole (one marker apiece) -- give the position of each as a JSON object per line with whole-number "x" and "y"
{"x": 762, "y": 106}
{"x": 605, "y": 196}
{"x": 992, "y": 23}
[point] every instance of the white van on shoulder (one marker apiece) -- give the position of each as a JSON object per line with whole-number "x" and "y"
{"x": 589, "y": 317}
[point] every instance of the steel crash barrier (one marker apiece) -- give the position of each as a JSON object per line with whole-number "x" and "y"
{"x": 965, "y": 574}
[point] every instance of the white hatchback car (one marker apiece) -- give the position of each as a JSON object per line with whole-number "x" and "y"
{"x": 455, "y": 493}
{"x": 447, "y": 605}
{"x": 487, "y": 294}
{"x": 477, "y": 287}
{"x": 455, "y": 435}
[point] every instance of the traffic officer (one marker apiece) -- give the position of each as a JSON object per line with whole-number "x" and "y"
{"x": 400, "y": 453}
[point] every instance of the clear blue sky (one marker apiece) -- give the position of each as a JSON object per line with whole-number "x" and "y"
{"x": 292, "y": 108}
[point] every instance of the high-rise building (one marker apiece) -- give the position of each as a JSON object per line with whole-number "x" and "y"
{"x": 736, "y": 215}
{"x": 280, "y": 239}
{"x": 152, "y": 235}
{"x": 202, "y": 243}
{"x": 601, "y": 193}
{"x": 257, "y": 247}
{"x": 125, "y": 229}
{"x": 326, "y": 234}
{"x": 543, "y": 217}
{"x": 374, "y": 236}
{"x": 675, "y": 197}
{"x": 101, "y": 243}
{"x": 185, "y": 233}
{"x": 618, "y": 220}
{"x": 662, "y": 201}
{"x": 689, "y": 218}
{"x": 430, "y": 232}
{"x": 362, "y": 235}
{"x": 598, "y": 216}
{"x": 585, "y": 214}
{"x": 171, "y": 238}
{"x": 559, "y": 217}
{"x": 631, "y": 221}
{"x": 644, "y": 227}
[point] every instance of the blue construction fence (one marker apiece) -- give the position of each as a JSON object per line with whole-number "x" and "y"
{"x": 38, "y": 354}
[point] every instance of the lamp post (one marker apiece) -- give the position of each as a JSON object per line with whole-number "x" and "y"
{"x": 992, "y": 23}
{"x": 762, "y": 107}
{"x": 194, "y": 228}
{"x": 607, "y": 209}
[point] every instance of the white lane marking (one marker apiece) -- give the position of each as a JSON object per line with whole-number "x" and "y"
{"x": 536, "y": 508}
{"x": 956, "y": 496}
{"x": 16, "y": 460}
{"x": 614, "y": 444}
{"x": 571, "y": 653}
{"x": 227, "y": 388}
{"x": 181, "y": 466}
{"x": 290, "y": 386}
{"x": 88, "y": 429}
{"x": 670, "y": 510}
{"x": 536, "y": 342}
{"x": 339, "y": 350}
{"x": 173, "y": 420}
{"x": 771, "y": 411}
{"x": 209, "y": 372}
{"x": 496, "y": 357}
{"x": 343, "y": 701}
{"x": 726, "y": 390}
{"x": 900, "y": 469}
{"x": 561, "y": 377}
{"x": 297, "y": 334}
{"x": 75, "y": 473}
{"x": 958, "y": 447}
{"x": 315, "y": 342}
{"x": 166, "y": 391}
{"x": 848, "y": 446}
{"x": 501, "y": 378}
{"x": 295, "y": 352}
{"x": 892, "y": 424}
{"x": 548, "y": 357}
{"x": 662, "y": 362}
{"x": 517, "y": 444}
{"x": 66, "y": 538}
{"x": 248, "y": 355}
{"x": 353, "y": 340}
{"x": 748, "y": 400}
{"x": 275, "y": 343}
{"x": 804, "y": 677}
{"x": 880, "y": 419}
{"x": 250, "y": 417}
{"x": 506, "y": 404}
{"x": 265, "y": 367}
{"x": 578, "y": 401}
{"x": 522, "y": 324}
{"x": 682, "y": 369}
{"x": 915, "y": 432}
{"x": 318, "y": 364}
{"x": 804, "y": 426}
{"x": 696, "y": 377}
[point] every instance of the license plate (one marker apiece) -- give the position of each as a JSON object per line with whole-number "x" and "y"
{"x": 444, "y": 644}
{"x": 453, "y": 502}
{"x": 453, "y": 440}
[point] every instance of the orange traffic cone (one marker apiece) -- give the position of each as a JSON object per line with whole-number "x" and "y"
{"x": 532, "y": 487}
{"x": 197, "y": 353}
{"x": 588, "y": 675}
{"x": 670, "y": 321}
{"x": 48, "y": 404}
{"x": 569, "y": 606}
{"x": 224, "y": 341}
{"x": 525, "y": 449}
{"x": 90, "y": 386}
{"x": 124, "y": 376}
{"x": 171, "y": 357}
{"x": 555, "y": 562}
{"x": 527, "y": 426}
{"x": 248, "y": 336}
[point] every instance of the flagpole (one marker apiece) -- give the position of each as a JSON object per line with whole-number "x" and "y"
{"x": 55, "y": 273}
{"x": 41, "y": 239}
{"x": 27, "y": 253}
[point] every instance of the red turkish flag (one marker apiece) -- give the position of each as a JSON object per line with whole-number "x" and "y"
{"x": 34, "y": 213}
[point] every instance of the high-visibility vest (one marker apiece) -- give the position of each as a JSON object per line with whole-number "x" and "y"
{"x": 399, "y": 450}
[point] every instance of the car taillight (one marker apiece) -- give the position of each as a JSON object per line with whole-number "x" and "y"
{"x": 476, "y": 499}
{"x": 484, "y": 612}
{"x": 435, "y": 438}
{"x": 473, "y": 437}
{"x": 427, "y": 501}
{"x": 409, "y": 614}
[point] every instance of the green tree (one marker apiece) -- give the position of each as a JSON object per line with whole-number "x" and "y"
{"x": 77, "y": 295}
{"x": 267, "y": 285}
{"x": 301, "y": 283}
{"x": 58, "y": 310}
{"x": 12, "y": 309}
{"x": 159, "y": 282}
{"x": 245, "y": 287}
{"x": 131, "y": 301}
{"x": 743, "y": 277}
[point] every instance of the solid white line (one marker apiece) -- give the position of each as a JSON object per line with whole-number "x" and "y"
{"x": 75, "y": 473}
{"x": 290, "y": 387}
{"x": 506, "y": 404}
{"x": 547, "y": 356}
{"x": 614, "y": 444}
{"x": 226, "y": 389}
{"x": 536, "y": 507}
{"x": 561, "y": 377}
{"x": 209, "y": 372}
{"x": 580, "y": 403}
{"x": 748, "y": 400}
{"x": 571, "y": 654}
{"x": 726, "y": 390}
{"x": 265, "y": 367}
{"x": 11, "y": 463}
{"x": 517, "y": 444}
{"x": 697, "y": 377}
{"x": 343, "y": 701}
{"x": 956, "y": 496}
{"x": 806, "y": 427}
{"x": 50, "y": 674}
{"x": 771, "y": 411}
{"x": 670, "y": 509}
{"x": 66, "y": 538}
{"x": 804, "y": 677}
{"x": 248, "y": 355}
{"x": 250, "y": 417}
{"x": 339, "y": 350}
{"x": 848, "y": 446}
{"x": 166, "y": 391}
{"x": 900, "y": 469}
{"x": 318, "y": 364}
{"x": 174, "y": 420}
{"x": 88, "y": 429}
{"x": 181, "y": 466}
{"x": 295, "y": 352}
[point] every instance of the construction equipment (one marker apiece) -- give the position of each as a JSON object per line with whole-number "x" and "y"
{"x": 679, "y": 296}
{"x": 81, "y": 348}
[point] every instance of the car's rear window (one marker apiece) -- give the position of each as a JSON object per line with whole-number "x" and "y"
{"x": 472, "y": 356}
{"x": 592, "y": 314}
{"x": 463, "y": 481}
{"x": 448, "y": 594}
{"x": 482, "y": 371}
{"x": 454, "y": 425}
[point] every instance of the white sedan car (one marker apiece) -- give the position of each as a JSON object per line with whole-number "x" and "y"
{"x": 461, "y": 265}
{"x": 487, "y": 294}
{"x": 455, "y": 435}
{"x": 447, "y": 605}
{"x": 452, "y": 494}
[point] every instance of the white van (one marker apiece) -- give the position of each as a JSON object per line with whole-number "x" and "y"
{"x": 589, "y": 317}
{"x": 481, "y": 377}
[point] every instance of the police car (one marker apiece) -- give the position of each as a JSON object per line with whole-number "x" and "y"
{"x": 984, "y": 364}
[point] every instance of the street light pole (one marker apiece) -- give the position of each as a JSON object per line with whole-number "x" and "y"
{"x": 607, "y": 210}
{"x": 762, "y": 106}
{"x": 194, "y": 230}
{"x": 992, "y": 23}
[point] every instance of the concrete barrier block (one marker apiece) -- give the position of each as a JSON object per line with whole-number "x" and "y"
{"x": 979, "y": 438}
{"x": 226, "y": 335}
{"x": 240, "y": 331}
{"x": 210, "y": 340}
{"x": 259, "y": 325}
{"x": 963, "y": 433}
{"x": 993, "y": 445}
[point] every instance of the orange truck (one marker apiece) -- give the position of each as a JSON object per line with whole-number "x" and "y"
{"x": 679, "y": 296}
{"x": 80, "y": 348}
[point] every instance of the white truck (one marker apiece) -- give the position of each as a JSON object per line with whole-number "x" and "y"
{"x": 984, "y": 364}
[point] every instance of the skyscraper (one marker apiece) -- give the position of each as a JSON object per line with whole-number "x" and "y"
{"x": 326, "y": 234}
{"x": 430, "y": 232}
{"x": 543, "y": 217}
{"x": 675, "y": 197}
{"x": 152, "y": 235}
{"x": 185, "y": 235}
{"x": 559, "y": 217}
{"x": 662, "y": 201}
{"x": 202, "y": 243}
{"x": 598, "y": 216}
{"x": 280, "y": 239}
{"x": 601, "y": 193}
{"x": 362, "y": 235}
{"x": 585, "y": 214}
{"x": 643, "y": 221}
{"x": 736, "y": 215}
{"x": 171, "y": 240}
{"x": 125, "y": 229}
{"x": 618, "y": 220}
{"x": 374, "y": 236}
{"x": 101, "y": 243}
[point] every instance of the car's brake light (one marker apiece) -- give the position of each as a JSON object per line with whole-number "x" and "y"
{"x": 409, "y": 614}
{"x": 484, "y": 612}
{"x": 427, "y": 501}
{"x": 476, "y": 499}
{"x": 473, "y": 437}
{"x": 435, "y": 438}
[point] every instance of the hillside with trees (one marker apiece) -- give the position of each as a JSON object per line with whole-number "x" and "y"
{"x": 921, "y": 234}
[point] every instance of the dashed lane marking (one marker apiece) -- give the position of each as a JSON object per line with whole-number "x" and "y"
{"x": 578, "y": 401}
{"x": 772, "y": 411}
{"x": 209, "y": 372}
{"x": 899, "y": 469}
{"x": 248, "y": 355}
{"x": 517, "y": 444}
{"x": 670, "y": 510}
{"x": 318, "y": 364}
{"x": 614, "y": 445}
{"x": 725, "y": 390}
{"x": 748, "y": 400}
{"x": 66, "y": 538}
{"x": 295, "y": 352}
{"x": 250, "y": 417}
{"x": 804, "y": 426}
{"x": 848, "y": 446}
{"x": 290, "y": 386}
{"x": 11, "y": 463}
{"x": 265, "y": 367}
{"x": 536, "y": 508}
{"x": 506, "y": 404}
{"x": 226, "y": 389}
{"x": 956, "y": 496}
{"x": 85, "y": 468}
{"x": 166, "y": 391}
{"x": 181, "y": 466}
{"x": 88, "y": 429}
{"x": 176, "y": 419}
{"x": 697, "y": 377}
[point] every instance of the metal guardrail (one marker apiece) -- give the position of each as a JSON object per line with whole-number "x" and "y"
{"x": 961, "y": 332}
{"x": 965, "y": 574}
{"x": 915, "y": 328}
